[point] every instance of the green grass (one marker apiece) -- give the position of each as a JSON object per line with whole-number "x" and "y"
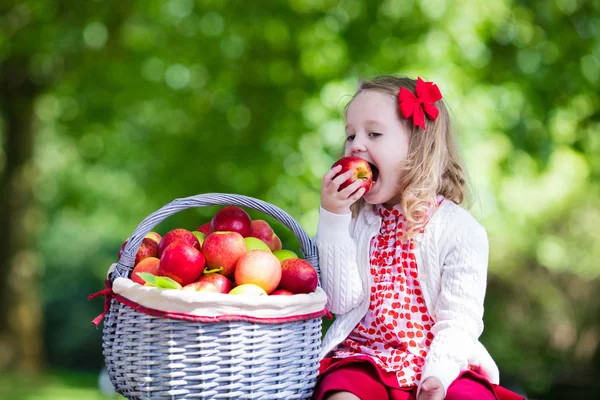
{"x": 53, "y": 386}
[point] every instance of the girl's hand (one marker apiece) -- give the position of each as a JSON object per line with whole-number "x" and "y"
{"x": 431, "y": 389}
{"x": 339, "y": 202}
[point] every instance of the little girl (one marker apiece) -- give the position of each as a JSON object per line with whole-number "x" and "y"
{"x": 404, "y": 267}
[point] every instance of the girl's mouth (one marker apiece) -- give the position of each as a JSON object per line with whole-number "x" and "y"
{"x": 375, "y": 171}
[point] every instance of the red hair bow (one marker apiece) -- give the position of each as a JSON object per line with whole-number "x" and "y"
{"x": 421, "y": 103}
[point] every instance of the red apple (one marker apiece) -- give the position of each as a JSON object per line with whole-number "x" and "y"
{"x": 204, "y": 228}
{"x": 223, "y": 249}
{"x": 361, "y": 169}
{"x": 182, "y": 263}
{"x": 221, "y": 282}
{"x": 231, "y": 219}
{"x": 148, "y": 248}
{"x": 178, "y": 235}
{"x": 262, "y": 230}
{"x": 259, "y": 267}
{"x": 275, "y": 243}
{"x": 149, "y": 264}
{"x": 154, "y": 236}
{"x": 298, "y": 276}
{"x": 199, "y": 286}
{"x": 281, "y": 292}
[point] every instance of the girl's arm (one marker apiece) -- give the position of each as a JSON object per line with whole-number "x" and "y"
{"x": 459, "y": 309}
{"x": 337, "y": 251}
{"x": 337, "y": 261}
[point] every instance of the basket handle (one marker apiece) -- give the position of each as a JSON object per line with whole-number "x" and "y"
{"x": 125, "y": 264}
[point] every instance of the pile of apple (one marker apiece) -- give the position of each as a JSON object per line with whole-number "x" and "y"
{"x": 230, "y": 254}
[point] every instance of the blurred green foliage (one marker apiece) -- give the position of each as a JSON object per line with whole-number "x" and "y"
{"x": 146, "y": 101}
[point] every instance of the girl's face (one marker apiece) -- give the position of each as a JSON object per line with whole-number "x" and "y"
{"x": 374, "y": 132}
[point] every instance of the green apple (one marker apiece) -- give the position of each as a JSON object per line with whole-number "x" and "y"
{"x": 201, "y": 236}
{"x": 284, "y": 254}
{"x": 248, "y": 289}
{"x": 253, "y": 243}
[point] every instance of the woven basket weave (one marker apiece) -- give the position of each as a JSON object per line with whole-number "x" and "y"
{"x": 152, "y": 357}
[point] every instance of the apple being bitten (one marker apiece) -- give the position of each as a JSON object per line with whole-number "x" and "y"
{"x": 223, "y": 250}
{"x": 182, "y": 263}
{"x": 231, "y": 219}
{"x": 298, "y": 276}
{"x": 361, "y": 169}
{"x": 178, "y": 235}
{"x": 259, "y": 267}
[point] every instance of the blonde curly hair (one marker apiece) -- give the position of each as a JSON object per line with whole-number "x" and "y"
{"x": 433, "y": 165}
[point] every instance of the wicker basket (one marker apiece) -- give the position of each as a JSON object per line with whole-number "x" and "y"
{"x": 154, "y": 357}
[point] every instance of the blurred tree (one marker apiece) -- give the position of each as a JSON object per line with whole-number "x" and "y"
{"x": 20, "y": 306}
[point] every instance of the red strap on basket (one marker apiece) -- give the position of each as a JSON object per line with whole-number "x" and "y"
{"x": 108, "y": 294}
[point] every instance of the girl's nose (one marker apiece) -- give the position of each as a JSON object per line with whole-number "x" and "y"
{"x": 357, "y": 146}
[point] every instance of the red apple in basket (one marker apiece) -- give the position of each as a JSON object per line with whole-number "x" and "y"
{"x": 259, "y": 267}
{"x": 182, "y": 263}
{"x": 204, "y": 228}
{"x": 231, "y": 219}
{"x": 275, "y": 243}
{"x": 298, "y": 276}
{"x": 178, "y": 235}
{"x": 151, "y": 235}
{"x": 281, "y": 292}
{"x": 220, "y": 282}
{"x": 361, "y": 169}
{"x": 154, "y": 236}
{"x": 198, "y": 286}
{"x": 148, "y": 248}
{"x": 223, "y": 249}
{"x": 149, "y": 264}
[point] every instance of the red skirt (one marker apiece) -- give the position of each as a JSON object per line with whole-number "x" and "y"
{"x": 362, "y": 377}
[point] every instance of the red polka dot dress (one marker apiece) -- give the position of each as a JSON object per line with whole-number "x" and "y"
{"x": 395, "y": 332}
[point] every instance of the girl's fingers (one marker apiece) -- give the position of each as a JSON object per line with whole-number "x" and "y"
{"x": 350, "y": 189}
{"x": 328, "y": 177}
{"x": 338, "y": 180}
{"x": 357, "y": 195}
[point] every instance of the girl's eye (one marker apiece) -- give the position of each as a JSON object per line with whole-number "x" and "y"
{"x": 350, "y": 138}
{"x": 374, "y": 134}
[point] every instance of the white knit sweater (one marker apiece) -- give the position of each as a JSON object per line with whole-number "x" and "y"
{"x": 452, "y": 256}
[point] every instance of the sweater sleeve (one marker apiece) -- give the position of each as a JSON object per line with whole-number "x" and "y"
{"x": 459, "y": 310}
{"x": 337, "y": 261}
